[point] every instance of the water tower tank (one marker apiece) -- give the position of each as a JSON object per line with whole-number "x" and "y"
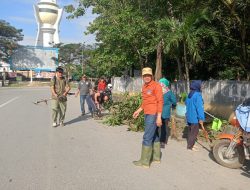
{"x": 48, "y": 16}
{"x": 48, "y": 11}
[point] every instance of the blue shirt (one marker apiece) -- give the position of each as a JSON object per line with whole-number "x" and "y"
{"x": 169, "y": 100}
{"x": 195, "y": 108}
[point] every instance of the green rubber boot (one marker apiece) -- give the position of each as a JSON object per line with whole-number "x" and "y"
{"x": 146, "y": 154}
{"x": 156, "y": 152}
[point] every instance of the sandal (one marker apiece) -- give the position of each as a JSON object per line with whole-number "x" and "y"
{"x": 195, "y": 149}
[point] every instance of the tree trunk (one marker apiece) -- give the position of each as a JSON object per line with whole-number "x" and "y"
{"x": 132, "y": 70}
{"x": 242, "y": 29}
{"x": 186, "y": 67}
{"x": 140, "y": 59}
{"x": 179, "y": 68}
{"x": 158, "y": 69}
{"x": 245, "y": 59}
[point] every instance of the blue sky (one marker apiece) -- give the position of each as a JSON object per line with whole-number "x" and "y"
{"x": 20, "y": 14}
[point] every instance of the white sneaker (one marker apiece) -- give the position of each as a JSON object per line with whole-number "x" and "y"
{"x": 62, "y": 124}
{"x": 54, "y": 124}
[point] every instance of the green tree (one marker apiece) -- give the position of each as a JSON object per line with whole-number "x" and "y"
{"x": 124, "y": 35}
{"x": 133, "y": 34}
{"x": 185, "y": 37}
{"x": 74, "y": 57}
{"x": 232, "y": 19}
{"x": 9, "y": 37}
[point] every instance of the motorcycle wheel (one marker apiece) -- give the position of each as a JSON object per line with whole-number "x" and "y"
{"x": 219, "y": 150}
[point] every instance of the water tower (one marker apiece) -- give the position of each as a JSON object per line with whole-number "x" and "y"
{"x": 48, "y": 16}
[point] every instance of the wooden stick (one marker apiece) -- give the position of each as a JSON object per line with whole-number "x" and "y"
{"x": 205, "y": 133}
{"x": 173, "y": 128}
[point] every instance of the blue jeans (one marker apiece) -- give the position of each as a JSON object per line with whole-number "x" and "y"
{"x": 151, "y": 133}
{"x": 82, "y": 102}
{"x": 84, "y": 98}
{"x": 91, "y": 104}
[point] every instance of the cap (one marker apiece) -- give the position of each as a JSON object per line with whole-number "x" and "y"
{"x": 84, "y": 76}
{"x": 59, "y": 69}
{"x": 147, "y": 71}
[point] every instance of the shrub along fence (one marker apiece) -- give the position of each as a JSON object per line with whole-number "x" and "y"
{"x": 220, "y": 97}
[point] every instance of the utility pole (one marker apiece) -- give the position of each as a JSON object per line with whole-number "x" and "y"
{"x": 82, "y": 59}
{"x": 31, "y": 76}
{"x": 4, "y": 76}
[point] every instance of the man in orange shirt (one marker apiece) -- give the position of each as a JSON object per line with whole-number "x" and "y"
{"x": 152, "y": 103}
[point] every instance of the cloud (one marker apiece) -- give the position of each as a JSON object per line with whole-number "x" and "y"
{"x": 84, "y": 21}
{"x": 23, "y": 19}
{"x": 87, "y": 39}
{"x": 80, "y": 23}
{"x": 22, "y": 1}
{"x": 71, "y": 30}
{"x": 28, "y": 40}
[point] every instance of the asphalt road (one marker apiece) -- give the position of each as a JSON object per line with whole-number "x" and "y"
{"x": 85, "y": 154}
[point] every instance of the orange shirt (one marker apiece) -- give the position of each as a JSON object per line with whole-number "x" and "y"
{"x": 152, "y": 98}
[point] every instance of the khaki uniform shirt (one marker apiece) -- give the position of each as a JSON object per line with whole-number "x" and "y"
{"x": 59, "y": 85}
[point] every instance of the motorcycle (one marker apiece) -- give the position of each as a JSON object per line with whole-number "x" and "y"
{"x": 232, "y": 146}
{"x": 107, "y": 92}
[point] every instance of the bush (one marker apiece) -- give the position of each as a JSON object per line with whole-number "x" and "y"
{"x": 183, "y": 96}
{"x": 122, "y": 113}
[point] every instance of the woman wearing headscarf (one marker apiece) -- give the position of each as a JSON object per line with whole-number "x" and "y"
{"x": 169, "y": 101}
{"x": 195, "y": 113}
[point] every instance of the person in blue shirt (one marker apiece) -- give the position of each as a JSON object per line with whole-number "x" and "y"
{"x": 195, "y": 113}
{"x": 169, "y": 101}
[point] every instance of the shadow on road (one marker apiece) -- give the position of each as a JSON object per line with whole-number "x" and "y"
{"x": 211, "y": 156}
{"x": 77, "y": 119}
{"x": 246, "y": 169}
{"x": 204, "y": 146}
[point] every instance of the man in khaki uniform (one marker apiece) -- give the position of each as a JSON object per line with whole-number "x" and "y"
{"x": 59, "y": 88}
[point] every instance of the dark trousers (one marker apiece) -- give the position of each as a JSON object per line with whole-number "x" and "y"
{"x": 164, "y": 134}
{"x": 192, "y": 135}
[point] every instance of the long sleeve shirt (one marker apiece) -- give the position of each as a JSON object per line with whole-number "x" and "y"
{"x": 152, "y": 98}
{"x": 195, "y": 109}
{"x": 169, "y": 100}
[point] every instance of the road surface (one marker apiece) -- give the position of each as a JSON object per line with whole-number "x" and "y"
{"x": 85, "y": 154}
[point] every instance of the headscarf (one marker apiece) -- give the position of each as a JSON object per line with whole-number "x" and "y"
{"x": 164, "y": 84}
{"x": 195, "y": 86}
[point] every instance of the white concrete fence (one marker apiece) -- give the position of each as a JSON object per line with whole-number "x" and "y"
{"x": 220, "y": 97}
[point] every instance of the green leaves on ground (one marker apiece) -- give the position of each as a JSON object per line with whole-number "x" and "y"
{"x": 122, "y": 113}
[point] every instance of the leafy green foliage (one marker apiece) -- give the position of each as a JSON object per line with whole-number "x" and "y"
{"x": 9, "y": 37}
{"x": 122, "y": 113}
{"x": 75, "y": 60}
{"x": 202, "y": 37}
{"x": 212, "y": 133}
{"x": 183, "y": 96}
